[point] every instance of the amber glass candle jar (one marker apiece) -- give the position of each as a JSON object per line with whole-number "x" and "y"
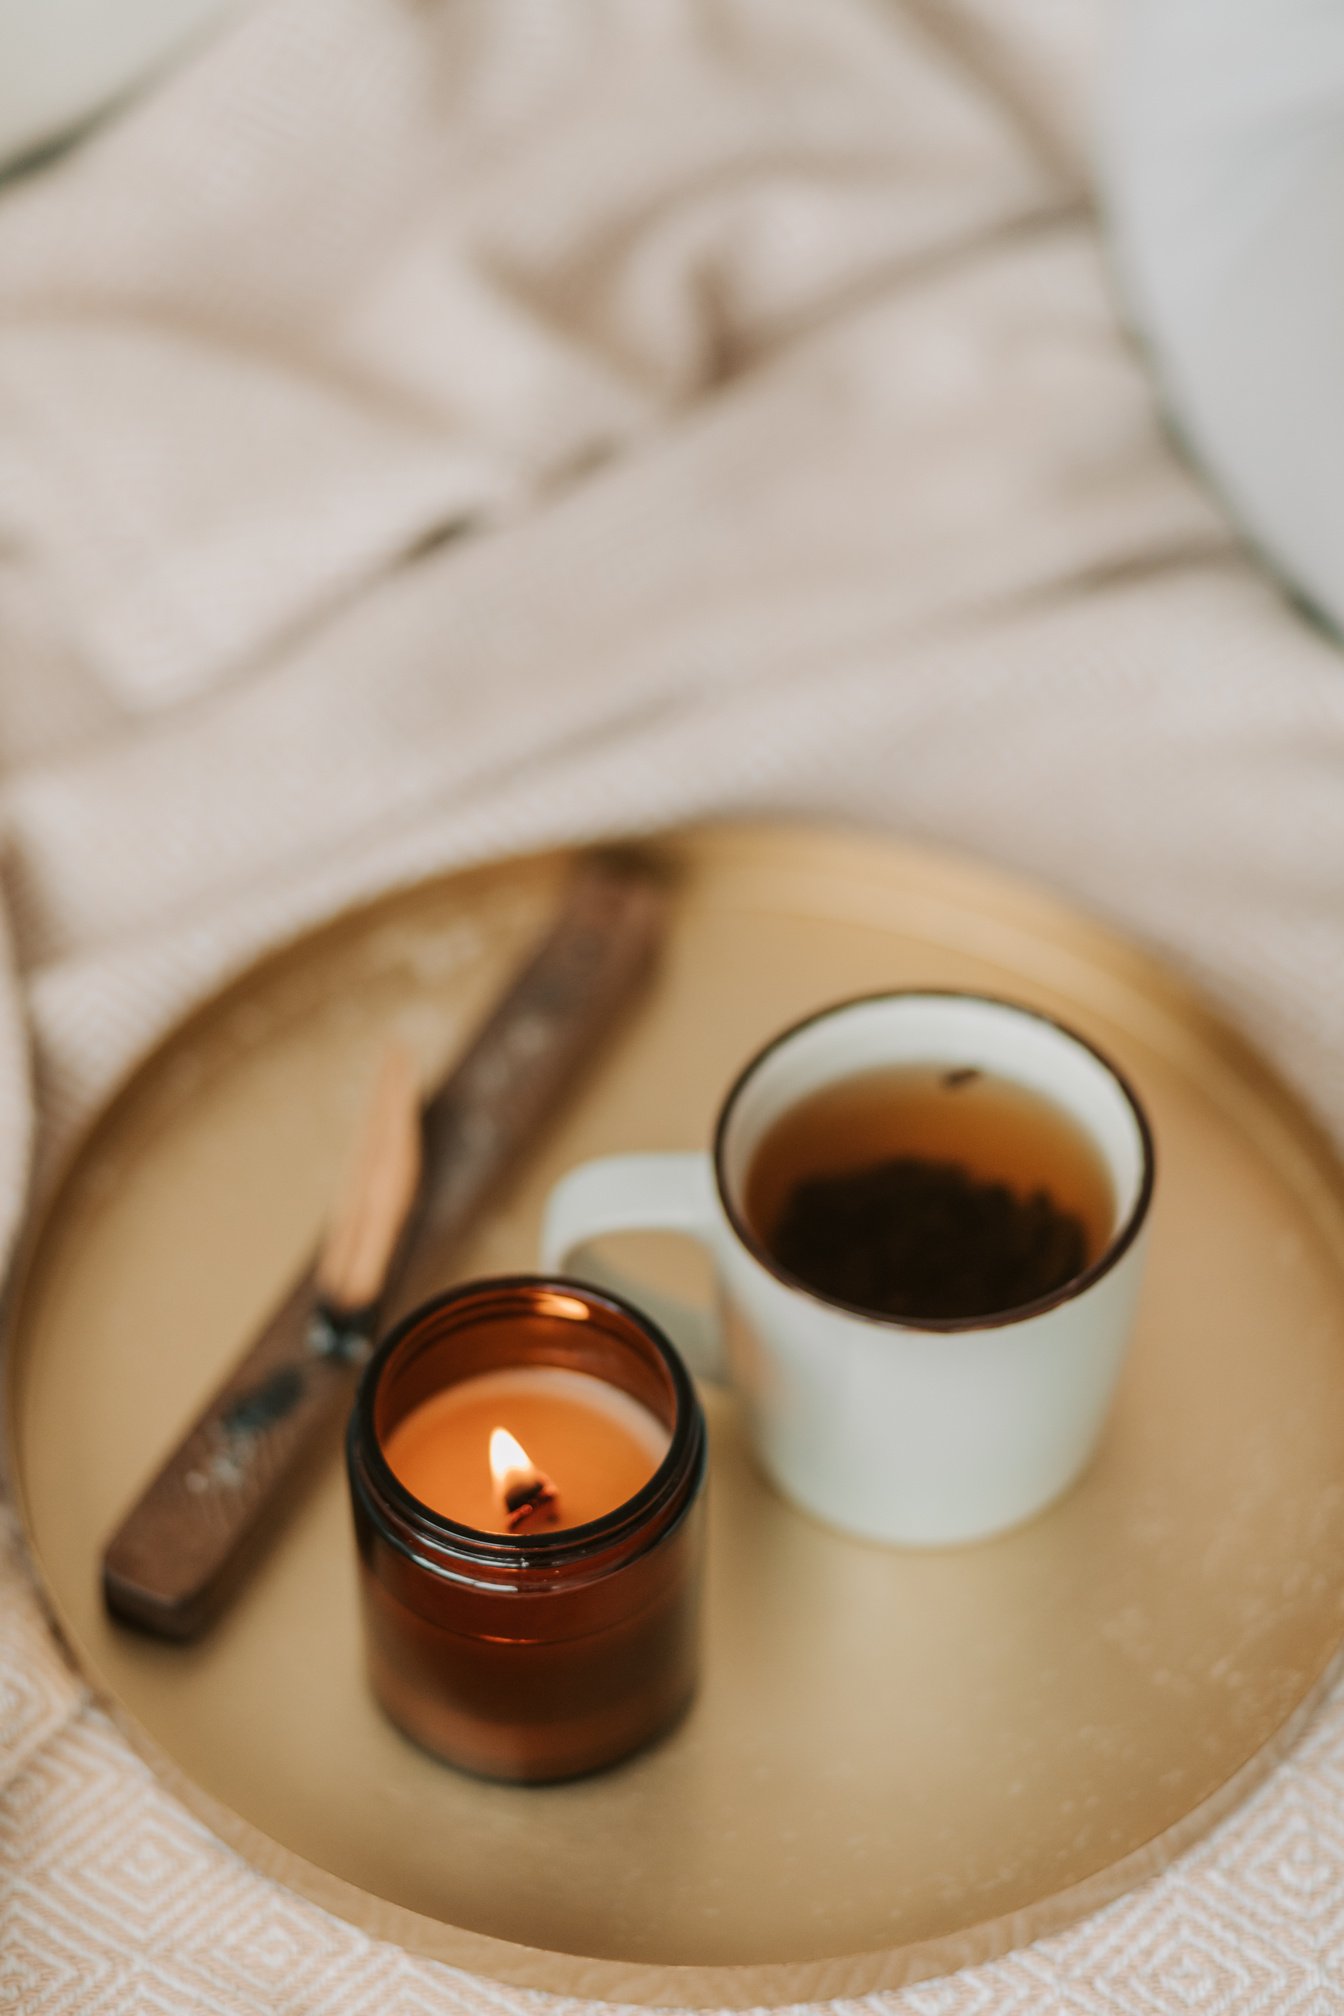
{"x": 552, "y": 1651}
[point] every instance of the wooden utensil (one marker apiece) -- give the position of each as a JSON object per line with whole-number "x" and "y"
{"x": 184, "y": 1546}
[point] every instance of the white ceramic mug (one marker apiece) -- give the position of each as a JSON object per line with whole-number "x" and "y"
{"x": 915, "y": 1432}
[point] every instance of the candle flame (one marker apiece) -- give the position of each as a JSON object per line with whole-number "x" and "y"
{"x": 508, "y": 1459}
{"x": 526, "y": 1494}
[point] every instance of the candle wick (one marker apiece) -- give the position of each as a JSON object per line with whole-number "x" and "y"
{"x": 531, "y": 1501}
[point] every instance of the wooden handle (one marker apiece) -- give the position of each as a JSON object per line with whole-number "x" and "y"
{"x": 527, "y": 1056}
{"x": 172, "y": 1562}
{"x": 185, "y": 1544}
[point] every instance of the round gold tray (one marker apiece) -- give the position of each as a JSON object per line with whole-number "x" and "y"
{"x": 898, "y": 1762}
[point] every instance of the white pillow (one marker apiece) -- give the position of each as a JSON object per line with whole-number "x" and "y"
{"x": 62, "y": 60}
{"x": 1224, "y": 169}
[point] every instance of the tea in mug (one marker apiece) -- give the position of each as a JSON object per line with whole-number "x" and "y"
{"x": 930, "y": 1193}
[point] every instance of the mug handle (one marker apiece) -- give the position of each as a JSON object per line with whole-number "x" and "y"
{"x": 639, "y": 1193}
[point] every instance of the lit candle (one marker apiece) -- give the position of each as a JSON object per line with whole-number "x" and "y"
{"x": 566, "y": 1446}
{"x": 533, "y": 1617}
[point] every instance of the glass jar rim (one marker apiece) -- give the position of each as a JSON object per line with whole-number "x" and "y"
{"x": 681, "y": 1465}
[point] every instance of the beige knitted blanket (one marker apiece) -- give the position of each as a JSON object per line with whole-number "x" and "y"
{"x": 431, "y": 428}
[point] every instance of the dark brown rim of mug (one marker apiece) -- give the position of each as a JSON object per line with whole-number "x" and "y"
{"x": 1118, "y": 1246}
